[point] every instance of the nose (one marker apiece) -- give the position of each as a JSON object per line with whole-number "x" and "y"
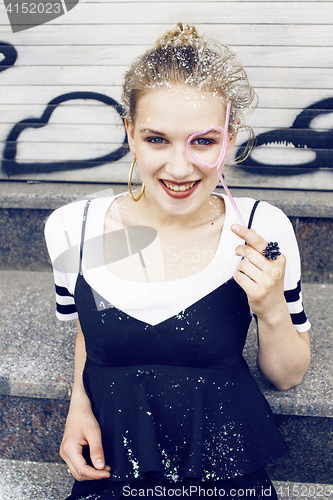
{"x": 179, "y": 164}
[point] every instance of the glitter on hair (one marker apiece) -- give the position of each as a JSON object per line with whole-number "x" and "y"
{"x": 181, "y": 56}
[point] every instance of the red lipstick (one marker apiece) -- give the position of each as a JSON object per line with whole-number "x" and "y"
{"x": 179, "y": 194}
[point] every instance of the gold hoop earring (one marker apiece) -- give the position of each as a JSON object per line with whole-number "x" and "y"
{"x": 129, "y": 183}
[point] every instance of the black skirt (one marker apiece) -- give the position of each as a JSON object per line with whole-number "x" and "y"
{"x": 251, "y": 486}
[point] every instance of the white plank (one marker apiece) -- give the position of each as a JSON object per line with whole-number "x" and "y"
{"x": 291, "y": 57}
{"x": 38, "y": 94}
{"x": 69, "y": 133}
{"x": 132, "y": 35}
{"x": 64, "y": 143}
{"x": 267, "y": 119}
{"x": 43, "y": 152}
{"x": 300, "y": 78}
{"x": 55, "y": 152}
{"x": 291, "y": 98}
{"x": 80, "y": 111}
{"x": 221, "y": 12}
{"x": 105, "y": 56}
{"x": 96, "y": 55}
{"x": 43, "y": 94}
{"x": 37, "y": 141}
{"x": 61, "y": 147}
{"x": 110, "y": 172}
{"x": 75, "y": 111}
{"x": 261, "y": 119}
{"x": 65, "y": 128}
{"x": 320, "y": 180}
{"x": 20, "y": 95}
{"x": 297, "y": 78}
{"x": 68, "y": 75}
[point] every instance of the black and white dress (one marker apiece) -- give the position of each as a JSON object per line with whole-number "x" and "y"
{"x": 164, "y": 372}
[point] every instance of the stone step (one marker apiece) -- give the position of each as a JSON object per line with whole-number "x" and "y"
{"x": 21, "y": 480}
{"x": 50, "y": 481}
{"x": 36, "y": 367}
{"x": 24, "y": 207}
{"x": 36, "y": 350}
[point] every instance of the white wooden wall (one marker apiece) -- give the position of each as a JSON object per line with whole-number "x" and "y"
{"x": 286, "y": 47}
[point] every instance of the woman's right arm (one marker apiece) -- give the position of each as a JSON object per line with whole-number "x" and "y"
{"x": 81, "y": 426}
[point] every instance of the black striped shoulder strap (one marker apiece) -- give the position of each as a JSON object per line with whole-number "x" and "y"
{"x": 254, "y": 208}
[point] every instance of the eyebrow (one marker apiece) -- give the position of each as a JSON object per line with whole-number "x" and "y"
{"x": 215, "y": 130}
{"x": 156, "y": 132}
{"x": 150, "y": 131}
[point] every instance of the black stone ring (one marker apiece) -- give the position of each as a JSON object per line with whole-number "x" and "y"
{"x": 272, "y": 251}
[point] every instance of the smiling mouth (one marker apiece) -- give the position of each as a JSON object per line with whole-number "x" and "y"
{"x": 179, "y": 187}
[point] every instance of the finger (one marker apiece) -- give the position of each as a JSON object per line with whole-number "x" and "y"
{"x": 249, "y": 286}
{"x": 252, "y": 255}
{"x": 83, "y": 472}
{"x": 258, "y": 268}
{"x": 250, "y": 270}
{"x": 78, "y": 466}
{"x": 250, "y": 236}
{"x": 96, "y": 449}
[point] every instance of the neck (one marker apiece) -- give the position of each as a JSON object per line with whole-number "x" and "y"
{"x": 209, "y": 211}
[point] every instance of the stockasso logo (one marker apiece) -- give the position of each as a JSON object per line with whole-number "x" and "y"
{"x": 25, "y": 15}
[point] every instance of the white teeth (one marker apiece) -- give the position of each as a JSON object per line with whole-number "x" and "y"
{"x": 183, "y": 187}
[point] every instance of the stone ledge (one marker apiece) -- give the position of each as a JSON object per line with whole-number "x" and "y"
{"x": 314, "y": 395}
{"x": 51, "y": 481}
{"x": 25, "y": 207}
{"x": 36, "y": 350}
{"x": 34, "y": 480}
{"x": 36, "y": 353}
{"x": 32, "y": 430}
{"x": 51, "y": 195}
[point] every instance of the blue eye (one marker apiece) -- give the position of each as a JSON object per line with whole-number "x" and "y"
{"x": 156, "y": 140}
{"x": 202, "y": 142}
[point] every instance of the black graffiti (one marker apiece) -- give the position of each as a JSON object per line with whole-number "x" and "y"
{"x": 10, "y": 54}
{"x": 11, "y": 167}
{"x": 301, "y": 136}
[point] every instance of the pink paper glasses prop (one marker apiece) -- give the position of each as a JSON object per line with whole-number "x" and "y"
{"x": 222, "y": 156}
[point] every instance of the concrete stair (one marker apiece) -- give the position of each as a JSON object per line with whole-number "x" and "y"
{"x": 36, "y": 353}
{"x": 23, "y": 480}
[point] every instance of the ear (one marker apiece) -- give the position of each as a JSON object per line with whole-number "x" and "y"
{"x": 231, "y": 143}
{"x": 130, "y": 135}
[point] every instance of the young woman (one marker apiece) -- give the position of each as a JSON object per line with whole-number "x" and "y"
{"x": 163, "y": 283}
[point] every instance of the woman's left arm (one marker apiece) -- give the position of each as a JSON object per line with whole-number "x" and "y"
{"x": 284, "y": 353}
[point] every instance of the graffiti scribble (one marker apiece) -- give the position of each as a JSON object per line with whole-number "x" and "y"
{"x": 300, "y": 135}
{"x": 11, "y": 167}
{"x": 10, "y": 54}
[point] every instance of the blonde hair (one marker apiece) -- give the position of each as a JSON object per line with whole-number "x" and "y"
{"x": 182, "y": 56}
